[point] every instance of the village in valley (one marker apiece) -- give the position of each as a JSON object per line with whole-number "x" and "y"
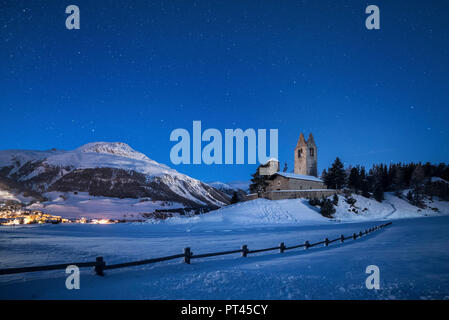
{"x": 15, "y": 213}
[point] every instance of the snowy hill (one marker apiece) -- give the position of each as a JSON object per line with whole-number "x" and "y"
{"x": 300, "y": 212}
{"x": 105, "y": 169}
{"x": 16, "y": 192}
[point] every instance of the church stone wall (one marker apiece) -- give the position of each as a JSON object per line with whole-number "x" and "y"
{"x": 270, "y": 168}
{"x": 283, "y": 183}
{"x": 295, "y": 184}
{"x": 293, "y": 194}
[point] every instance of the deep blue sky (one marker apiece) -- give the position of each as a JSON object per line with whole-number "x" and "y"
{"x": 136, "y": 70}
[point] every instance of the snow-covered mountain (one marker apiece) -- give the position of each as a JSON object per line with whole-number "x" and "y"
{"x": 230, "y": 187}
{"x": 105, "y": 169}
{"x": 224, "y": 187}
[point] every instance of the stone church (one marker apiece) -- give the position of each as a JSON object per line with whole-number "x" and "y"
{"x": 306, "y": 156}
{"x": 303, "y": 182}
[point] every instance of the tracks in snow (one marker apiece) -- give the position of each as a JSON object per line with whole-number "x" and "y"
{"x": 392, "y": 212}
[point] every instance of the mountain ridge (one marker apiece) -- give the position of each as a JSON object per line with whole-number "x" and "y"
{"x": 111, "y": 169}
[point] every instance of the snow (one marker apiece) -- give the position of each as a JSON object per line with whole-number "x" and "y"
{"x": 220, "y": 185}
{"x": 411, "y": 254}
{"x": 92, "y": 155}
{"x": 259, "y": 212}
{"x": 113, "y": 148}
{"x": 230, "y": 187}
{"x": 437, "y": 179}
{"x": 69, "y": 205}
{"x": 255, "y": 212}
{"x": 298, "y": 211}
{"x": 270, "y": 160}
{"x": 392, "y": 207}
{"x": 109, "y": 155}
{"x": 7, "y": 195}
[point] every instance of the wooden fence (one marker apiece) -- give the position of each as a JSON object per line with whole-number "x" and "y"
{"x": 100, "y": 265}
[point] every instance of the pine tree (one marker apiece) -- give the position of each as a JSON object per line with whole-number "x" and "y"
{"x": 410, "y": 196}
{"x": 324, "y": 175}
{"x": 398, "y": 179}
{"x": 327, "y": 208}
{"x": 335, "y": 200}
{"x": 418, "y": 176}
{"x": 258, "y": 184}
{"x": 354, "y": 180}
{"x": 364, "y": 187}
{"x": 235, "y": 198}
{"x": 378, "y": 192}
{"x": 336, "y": 176}
{"x": 314, "y": 202}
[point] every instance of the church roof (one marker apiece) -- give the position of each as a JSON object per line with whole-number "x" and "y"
{"x": 298, "y": 176}
{"x": 301, "y": 141}
{"x": 311, "y": 141}
{"x": 270, "y": 160}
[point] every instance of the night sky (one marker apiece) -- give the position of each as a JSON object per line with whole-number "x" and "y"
{"x": 136, "y": 70}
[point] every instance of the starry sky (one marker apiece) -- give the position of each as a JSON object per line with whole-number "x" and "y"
{"x": 136, "y": 70}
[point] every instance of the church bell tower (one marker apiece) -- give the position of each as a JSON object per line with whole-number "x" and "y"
{"x": 306, "y": 156}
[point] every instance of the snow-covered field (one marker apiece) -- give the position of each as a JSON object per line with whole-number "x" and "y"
{"x": 6, "y": 195}
{"x": 411, "y": 253}
{"x": 69, "y": 205}
{"x": 260, "y": 211}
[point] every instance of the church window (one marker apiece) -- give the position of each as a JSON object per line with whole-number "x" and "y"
{"x": 299, "y": 153}
{"x": 311, "y": 152}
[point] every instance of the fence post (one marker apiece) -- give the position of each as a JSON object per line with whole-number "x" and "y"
{"x": 99, "y": 266}
{"x": 354, "y": 236}
{"x": 187, "y": 255}
{"x": 244, "y": 250}
{"x": 360, "y": 234}
{"x": 342, "y": 238}
{"x": 326, "y": 242}
{"x": 307, "y": 244}
{"x": 282, "y": 247}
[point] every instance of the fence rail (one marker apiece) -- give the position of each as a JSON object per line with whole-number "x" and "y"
{"x": 100, "y": 264}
